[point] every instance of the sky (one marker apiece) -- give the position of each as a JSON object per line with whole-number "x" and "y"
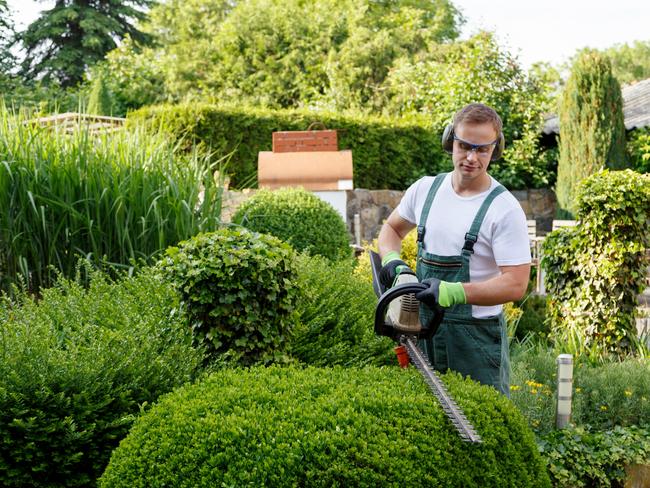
{"x": 550, "y": 30}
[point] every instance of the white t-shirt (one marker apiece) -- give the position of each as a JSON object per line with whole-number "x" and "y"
{"x": 503, "y": 236}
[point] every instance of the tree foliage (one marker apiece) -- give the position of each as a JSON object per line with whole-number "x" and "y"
{"x": 75, "y": 34}
{"x": 291, "y": 53}
{"x": 630, "y": 62}
{"x": 592, "y": 133}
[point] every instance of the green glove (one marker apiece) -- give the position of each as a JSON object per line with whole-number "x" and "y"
{"x": 451, "y": 294}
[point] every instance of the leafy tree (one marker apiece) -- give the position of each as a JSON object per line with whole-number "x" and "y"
{"x": 133, "y": 75}
{"x": 592, "y": 133}
{"x": 75, "y": 34}
{"x": 478, "y": 70}
{"x": 292, "y": 53}
{"x": 630, "y": 63}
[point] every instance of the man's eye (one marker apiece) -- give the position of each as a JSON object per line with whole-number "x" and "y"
{"x": 464, "y": 146}
{"x": 484, "y": 149}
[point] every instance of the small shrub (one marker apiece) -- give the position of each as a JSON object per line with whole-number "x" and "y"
{"x": 237, "y": 288}
{"x": 336, "y": 313}
{"x": 580, "y": 457}
{"x": 298, "y": 217}
{"x": 325, "y": 427}
{"x": 638, "y": 149}
{"x": 75, "y": 369}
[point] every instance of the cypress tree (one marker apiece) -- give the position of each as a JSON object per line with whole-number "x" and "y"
{"x": 592, "y": 132}
{"x": 100, "y": 101}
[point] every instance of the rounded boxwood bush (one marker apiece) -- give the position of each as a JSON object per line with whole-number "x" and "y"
{"x": 298, "y": 217}
{"x": 339, "y": 426}
{"x": 238, "y": 289}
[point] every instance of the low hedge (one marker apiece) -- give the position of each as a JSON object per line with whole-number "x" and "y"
{"x": 336, "y": 311}
{"x": 75, "y": 369}
{"x": 388, "y": 153}
{"x": 324, "y": 427}
{"x": 299, "y": 218}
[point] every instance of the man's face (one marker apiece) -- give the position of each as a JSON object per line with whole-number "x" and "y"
{"x": 473, "y": 147}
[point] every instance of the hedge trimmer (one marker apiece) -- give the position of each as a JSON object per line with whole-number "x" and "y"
{"x": 397, "y": 316}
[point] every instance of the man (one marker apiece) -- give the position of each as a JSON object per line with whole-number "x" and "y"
{"x": 473, "y": 250}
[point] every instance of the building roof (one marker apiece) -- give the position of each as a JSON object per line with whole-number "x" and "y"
{"x": 636, "y": 108}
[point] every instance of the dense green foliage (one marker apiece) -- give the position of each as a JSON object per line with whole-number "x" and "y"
{"x": 580, "y": 457}
{"x": 74, "y": 34}
{"x": 638, "y": 149}
{"x": 478, "y": 70}
{"x": 237, "y": 288}
{"x": 132, "y": 77}
{"x": 336, "y": 312}
{"x": 596, "y": 270}
{"x": 630, "y": 62}
{"x": 290, "y": 53}
{"x": 592, "y": 133}
{"x": 111, "y": 197}
{"x": 299, "y": 218}
{"x": 324, "y": 427}
{"x": 77, "y": 366}
{"x": 387, "y": 153}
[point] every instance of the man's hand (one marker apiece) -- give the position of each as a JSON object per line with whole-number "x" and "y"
{"x": 442, "y": 293}
{"x": 392, "y": 267}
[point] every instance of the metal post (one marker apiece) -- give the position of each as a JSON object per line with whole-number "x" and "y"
{"x": 357, "y": 229}
{"x": 564, "y": 390}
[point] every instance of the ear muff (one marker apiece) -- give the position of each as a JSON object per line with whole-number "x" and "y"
{"x": 448, "y": 138}
{"x": 448, "y": 142}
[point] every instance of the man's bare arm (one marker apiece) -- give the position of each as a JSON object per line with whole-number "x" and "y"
{"x": 510, "y": 286}
{"x": 392, "y": 233}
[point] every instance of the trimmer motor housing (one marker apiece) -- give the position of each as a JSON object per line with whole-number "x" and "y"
{"x": 397, "y": 311}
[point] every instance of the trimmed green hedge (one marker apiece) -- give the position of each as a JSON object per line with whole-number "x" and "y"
{"x": 388, "y": 153}
{"x": 75, "y": 369}
{"x": 344, "y": 427}
{"x": 299, "y": 218}
{"x": 336, "y": 313}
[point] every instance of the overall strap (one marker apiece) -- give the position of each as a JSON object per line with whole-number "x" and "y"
{"x": 472, "y": 236}
{"x": 427, "y": 206}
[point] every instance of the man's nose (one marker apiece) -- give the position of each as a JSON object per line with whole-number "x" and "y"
{"x": 472, "y": 154}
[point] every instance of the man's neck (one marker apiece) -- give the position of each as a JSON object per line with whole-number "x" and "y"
{"x": 466, "y": 187}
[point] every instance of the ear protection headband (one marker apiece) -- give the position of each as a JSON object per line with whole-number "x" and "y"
{"x": 448, "y": 142}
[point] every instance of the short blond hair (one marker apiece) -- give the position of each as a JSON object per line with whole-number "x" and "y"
{"x": 478, "y": 113}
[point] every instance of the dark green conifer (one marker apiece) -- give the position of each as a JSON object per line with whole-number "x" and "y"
{"x": 592, "y": 132}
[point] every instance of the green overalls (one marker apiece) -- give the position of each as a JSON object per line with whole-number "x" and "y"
{"x": 471, "y": 346}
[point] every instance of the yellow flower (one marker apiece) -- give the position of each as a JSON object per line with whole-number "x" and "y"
{"x": 578, "y": 390}
{"x": 628, "y": 393}
{"x": 515, "y": 387}
{"x": 533, "y": 391}
{"x": 603, "y": 407}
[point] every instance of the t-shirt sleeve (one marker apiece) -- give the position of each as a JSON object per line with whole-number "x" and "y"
{"x": 406, "y": 208}
{"x": 510, "y": 244}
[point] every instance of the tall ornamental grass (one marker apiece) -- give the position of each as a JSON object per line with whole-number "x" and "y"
{"x": 114, "y": 198}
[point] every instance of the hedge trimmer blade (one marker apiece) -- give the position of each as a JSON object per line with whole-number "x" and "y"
{"x": 453, "y": 412}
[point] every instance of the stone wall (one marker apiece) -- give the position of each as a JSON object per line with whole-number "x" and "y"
{"x": 374, "y": 206}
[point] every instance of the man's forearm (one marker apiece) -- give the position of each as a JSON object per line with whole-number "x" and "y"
{"x": 507, "y": 287}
